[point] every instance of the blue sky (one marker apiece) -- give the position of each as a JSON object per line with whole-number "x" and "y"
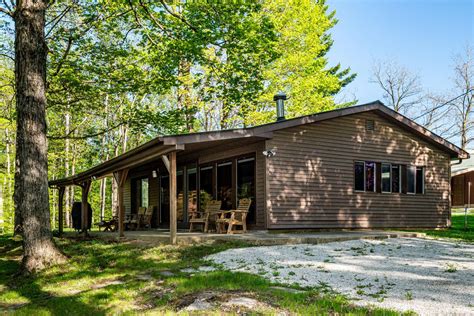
{"x": 422, "y": 35}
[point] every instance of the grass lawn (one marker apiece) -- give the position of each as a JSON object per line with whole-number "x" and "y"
{"x": 457, "y": 230}
{"x": 106, "y": 277}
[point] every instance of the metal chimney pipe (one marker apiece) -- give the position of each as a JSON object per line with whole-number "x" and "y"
{"x": 280, "y": 98}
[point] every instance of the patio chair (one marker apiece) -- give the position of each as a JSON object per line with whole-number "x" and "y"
{"x": 203, "y": 218}
{"x": 132, "y": 220}
{"x": 234, "y": 218}
{"x": 145, "y": 219}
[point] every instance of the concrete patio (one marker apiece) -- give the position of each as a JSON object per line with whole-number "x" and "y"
{"x": 258, "y": 237}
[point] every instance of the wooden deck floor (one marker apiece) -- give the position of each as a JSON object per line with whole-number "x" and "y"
{"x": 260, "y": 237}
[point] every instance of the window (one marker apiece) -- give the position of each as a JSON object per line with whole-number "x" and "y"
{"x": 411, "y": 178}
{"x": 144, "y": 193}
{"x": 364, "y": 176}
{"x": 386, "y": 178}
{"x": 420, "y": 180}
{"x": 359, "y": 175}
{"x": 370, "y": 176}
{"x": 389, "y": 176}
{"x": 396, "y": 179}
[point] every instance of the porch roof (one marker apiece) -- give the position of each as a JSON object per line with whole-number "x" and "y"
{"x": 163, "y": 145}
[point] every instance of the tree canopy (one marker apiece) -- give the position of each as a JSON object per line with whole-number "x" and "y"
{"x": 122, "y": 72}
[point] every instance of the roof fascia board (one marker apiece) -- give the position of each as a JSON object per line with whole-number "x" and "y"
{"x": 425, "y": 133}
{"x": 111, "y": 166}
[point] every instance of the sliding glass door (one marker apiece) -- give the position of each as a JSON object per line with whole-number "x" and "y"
{"x": 246, "y": 183}
{"x": 224, "y": 184}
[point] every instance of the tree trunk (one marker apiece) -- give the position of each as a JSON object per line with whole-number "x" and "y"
{"x": 31, "y": 174}
{"x": 67, "y": 126}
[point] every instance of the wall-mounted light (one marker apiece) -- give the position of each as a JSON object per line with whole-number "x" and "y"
{"x": 268, "y": 153}
{"x": 154, "y": 174}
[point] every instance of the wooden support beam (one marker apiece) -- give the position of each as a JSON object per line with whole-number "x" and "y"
{"x": 173, "y": 198}
{"x": 120, "y": 178}
{"x": 60, "y": 209}
{"x": 85, "y": 186}
{"x": 166, "y": 162}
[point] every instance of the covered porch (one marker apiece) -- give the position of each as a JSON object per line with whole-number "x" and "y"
{"x": 175, "y": 176}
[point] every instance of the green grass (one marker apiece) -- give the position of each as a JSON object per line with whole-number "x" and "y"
{"x": 457, "y": 230}
{"x": 106, "y": 277}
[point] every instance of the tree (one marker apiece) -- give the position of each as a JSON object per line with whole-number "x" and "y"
{"x": 463, "y": 107}
{"x": 301, "y": 69}
{"x": 451, "y": 114}
{"x": 401, "y": 88}
{"x": 31, "y": 176}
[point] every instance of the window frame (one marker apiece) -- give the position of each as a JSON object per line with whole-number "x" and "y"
{"x": 422, "y": 179}
{"x": 414, "y": 180}
{"x": 375, "y": 176}
{"x": 399, "y": 167}
{"x": 381, "y": 177}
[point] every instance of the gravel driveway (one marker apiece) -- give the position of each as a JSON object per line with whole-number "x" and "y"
{"x": 426, "y": 276}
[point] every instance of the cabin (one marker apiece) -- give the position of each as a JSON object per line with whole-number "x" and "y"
{"x": 462, "y": 183}
{"x": 360, "y": 167}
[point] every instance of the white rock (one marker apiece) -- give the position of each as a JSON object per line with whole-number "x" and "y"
{"x": 198, "y": 305}
{"x": 242, "y": 302}
{"x": 426, "y": 276}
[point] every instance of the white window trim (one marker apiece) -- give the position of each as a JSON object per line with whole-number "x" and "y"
{"x": 381, "y": 176}
{"x": 363, "y": 162}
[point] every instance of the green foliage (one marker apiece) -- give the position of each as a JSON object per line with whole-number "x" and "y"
{"x": 302, "y": 70}
{"x": 121, "y": 73}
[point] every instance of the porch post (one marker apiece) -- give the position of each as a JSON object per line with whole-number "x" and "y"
{"x": 120, "y": 178}
{"x": 60, "y": 209}
{"x": 84, "y": 207}
{"x": 173, "y": 202}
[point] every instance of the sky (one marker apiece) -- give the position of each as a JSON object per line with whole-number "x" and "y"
{"x": 422, "y": 35}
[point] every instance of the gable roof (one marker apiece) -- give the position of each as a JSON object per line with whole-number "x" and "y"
{"x": 266, "y": 129}
{"x": 164, "y": 144}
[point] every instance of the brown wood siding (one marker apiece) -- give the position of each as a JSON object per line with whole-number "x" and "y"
{"x": 310, "y": 180}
